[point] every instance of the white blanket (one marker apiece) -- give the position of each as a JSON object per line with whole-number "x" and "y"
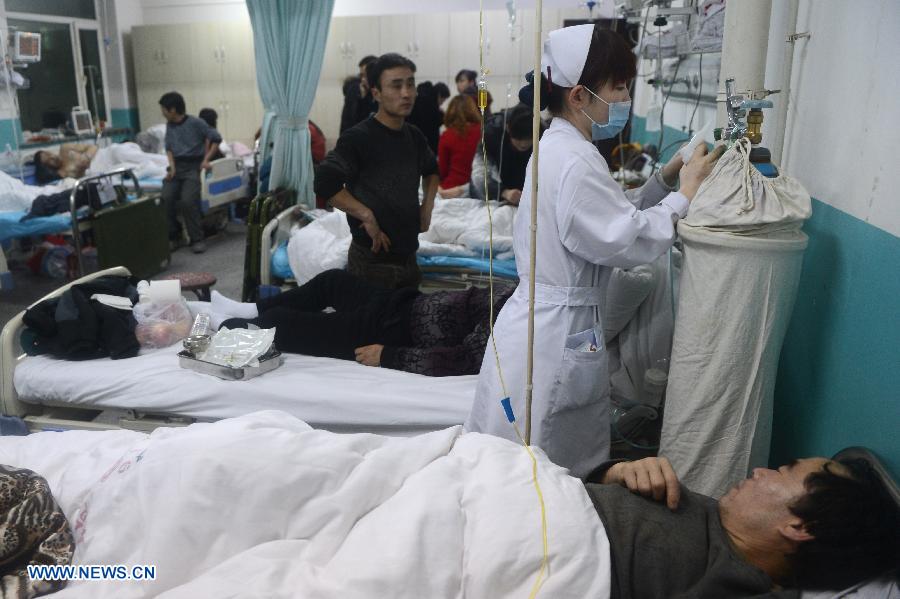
{"x": 264, "y": 506}
{"x": 17, "y": 196}
{"x": 128, "y": 155}
{"x": 459, "y": 227}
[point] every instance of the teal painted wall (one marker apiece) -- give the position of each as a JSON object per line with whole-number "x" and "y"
{"x": 10, "y": 133}
{"x": 126, "y": 117}
{"x": 839, "y": 379}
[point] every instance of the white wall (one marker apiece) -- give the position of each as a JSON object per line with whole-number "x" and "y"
{"x": 128, "y": 14}
{"x": 161, "y": 12}
{"x": 842, "y": 139}
{"x": 348, "y": 8}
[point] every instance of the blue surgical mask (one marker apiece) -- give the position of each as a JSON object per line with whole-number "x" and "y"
{"x": 618, "y": 118}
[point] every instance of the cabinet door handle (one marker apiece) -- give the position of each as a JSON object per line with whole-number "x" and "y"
{"x": 216, "y": 54}
{"x": 222, "y": 52}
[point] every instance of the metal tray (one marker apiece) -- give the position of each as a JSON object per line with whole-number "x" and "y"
{"x": 269, "y": 361}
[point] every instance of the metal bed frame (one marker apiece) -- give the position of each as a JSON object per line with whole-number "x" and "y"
{"x": 78, "y": 226}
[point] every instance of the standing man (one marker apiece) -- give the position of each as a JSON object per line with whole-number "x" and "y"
{"x": 373, "y": 175}
{"x": 358, "y": 101}
{"x": 188, "y": 153}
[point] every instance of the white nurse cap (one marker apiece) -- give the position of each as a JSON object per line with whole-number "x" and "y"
{"x": 565, "y": 53}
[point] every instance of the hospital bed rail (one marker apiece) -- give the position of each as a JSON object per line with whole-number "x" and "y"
{"x": 226, "y": 181}
{"x": 39, "y": 417}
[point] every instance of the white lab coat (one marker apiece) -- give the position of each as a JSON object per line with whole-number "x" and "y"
{"x": 586, "y": 226}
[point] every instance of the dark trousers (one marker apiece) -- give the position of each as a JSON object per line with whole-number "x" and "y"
{"x": 182, "y": 197}
{"x": 364, "y": 315}
{"x": 383, "y": 270}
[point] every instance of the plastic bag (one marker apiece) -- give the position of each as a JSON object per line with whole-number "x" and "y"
{"x": 237, "y": 348}
{"x": 161, "y": 325}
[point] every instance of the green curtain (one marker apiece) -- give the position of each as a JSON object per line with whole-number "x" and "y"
{"x": 289, "y": 40}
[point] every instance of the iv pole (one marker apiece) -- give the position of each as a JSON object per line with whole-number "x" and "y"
{"x": 535, "y": 138}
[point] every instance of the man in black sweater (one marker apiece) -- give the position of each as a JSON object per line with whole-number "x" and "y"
{"x": 373, "y": 175}
{"x": 815, "y": 524}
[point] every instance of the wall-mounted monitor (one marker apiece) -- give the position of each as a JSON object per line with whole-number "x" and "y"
{"x": 26, "y": 47}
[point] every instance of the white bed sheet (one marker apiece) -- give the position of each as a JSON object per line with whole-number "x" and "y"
{"x": 336, "y": 395}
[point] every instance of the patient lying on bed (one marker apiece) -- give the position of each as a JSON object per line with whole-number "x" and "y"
{"x": 72, "y": 161}
{"x": 435, "y": 334}
{"x": 812, "y": 524}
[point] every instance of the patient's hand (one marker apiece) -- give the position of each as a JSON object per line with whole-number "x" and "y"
{"x": 511, "y": 196}
{"x": 369, "y": 355}
{"x": 650, "y": 477}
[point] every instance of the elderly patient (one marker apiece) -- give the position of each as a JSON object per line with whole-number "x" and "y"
{"x": 812, "y": 524}
{"x": 436, "y": 334}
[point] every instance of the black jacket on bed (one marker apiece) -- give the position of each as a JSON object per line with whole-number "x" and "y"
{"x": 57, "y": 203}
{"x": 75, "y": 327}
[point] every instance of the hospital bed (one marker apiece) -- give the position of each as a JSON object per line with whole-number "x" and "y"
{"x": 438, "y": 271}
{"x": 128, "y": 227}
{"x": 262, "y": 505}
{"x": 151, "y": 390}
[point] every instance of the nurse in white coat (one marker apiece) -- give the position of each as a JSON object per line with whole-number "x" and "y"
{"x": 586, "y": 226}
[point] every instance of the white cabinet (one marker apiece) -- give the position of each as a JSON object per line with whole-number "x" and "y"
{"x": 148, "y": 95}
{"x": 211, "y": 64}
{"x": 349, "y": 40}
{"x": 462, "y": 45}
{"x": 236, "y": 51}
{"x": 363, "y": 39}
{"x": 161, "y": 54}
{"x": 429, "y": 45}
{"x": 397, "y": 33}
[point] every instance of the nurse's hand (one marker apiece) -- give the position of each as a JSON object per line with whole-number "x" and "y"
{"x": 369, "y": 355}
{"x": 698, "y": 168}
{"x": 670, "y": 171}
{"x": 650, "y": 477}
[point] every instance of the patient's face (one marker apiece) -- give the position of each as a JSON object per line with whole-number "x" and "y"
{"x": 51, "y": 160}
{"x": 766, "y": 495}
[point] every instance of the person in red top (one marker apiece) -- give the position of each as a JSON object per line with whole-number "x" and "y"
{"x": 457, "y": 146}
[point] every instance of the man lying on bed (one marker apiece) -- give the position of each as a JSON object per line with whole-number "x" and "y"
{"x": 72, "y": 161}
{"x": 435, "y": 334}
{"x": 814, "y": 524}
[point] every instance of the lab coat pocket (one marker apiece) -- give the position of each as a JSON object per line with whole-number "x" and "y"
{"x": 584, "y": 374}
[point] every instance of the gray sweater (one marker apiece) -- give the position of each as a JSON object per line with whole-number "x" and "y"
{"x": 187, "y": 139}
{"x": 657, "y": 553}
